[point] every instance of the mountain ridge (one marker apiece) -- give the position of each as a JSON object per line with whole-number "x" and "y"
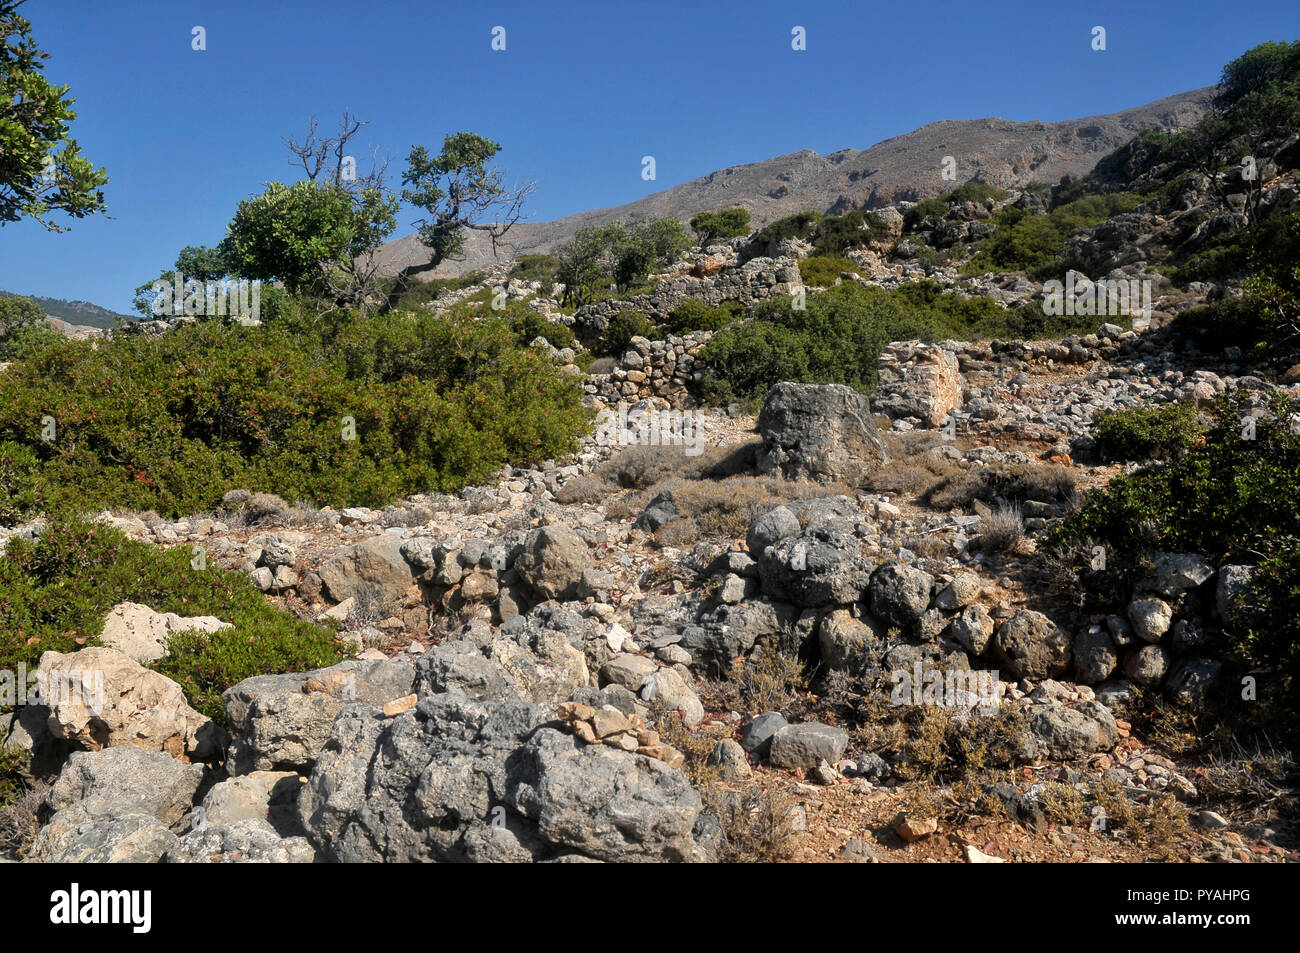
{"x": 906, "y": 167}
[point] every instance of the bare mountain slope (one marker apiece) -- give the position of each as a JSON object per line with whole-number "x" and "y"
{"x": 907, "y": 167}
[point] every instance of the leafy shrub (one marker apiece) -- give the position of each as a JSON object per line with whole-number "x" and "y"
{"x": 1145, "y": 433}
{"x": 838, "y": 337}
{"x": 935, "y": 207}
{"x": 710, "y": 227}
{"x": 622, "y": 328}
{"x": 541, "y": 268}
{"x": 17, "y": 311}
{"x": 857, "y": 229}
{"x": 57, "y": 590}
{"x": 695, "y": 315}
{"x": 977, "y": 192}
{"x": 1033, "y": 243}
{"x": 1230, "y": 499}
{"x": 171, "y": 422}
{"x": 800, "y": 225}
{"x": 528, "y": 325}
{"x": 823, "y": 271}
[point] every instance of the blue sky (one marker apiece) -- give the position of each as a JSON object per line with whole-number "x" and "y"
{"x": 581, "y": 93}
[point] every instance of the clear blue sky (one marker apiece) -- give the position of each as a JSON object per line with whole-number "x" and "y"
{"x": 582, "y": 92}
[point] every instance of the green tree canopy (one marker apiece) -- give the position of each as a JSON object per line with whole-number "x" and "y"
{"x": 42, "y": 171}
{"x": 715, "y": 226}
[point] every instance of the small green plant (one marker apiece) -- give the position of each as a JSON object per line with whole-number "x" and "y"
{"x": 622, "y": 328}
{"x": 823, "y": 271}
{"x": 56, "y": 591}
{"x": 1146, "y": 433}
{"x": 695, "y": 315}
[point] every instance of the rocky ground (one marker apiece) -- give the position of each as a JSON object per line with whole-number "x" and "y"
{"x": 645, "y": 653}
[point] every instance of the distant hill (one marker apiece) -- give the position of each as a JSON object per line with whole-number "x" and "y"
{"x": 76, "y": 312}
{"x": 904, "y": 168}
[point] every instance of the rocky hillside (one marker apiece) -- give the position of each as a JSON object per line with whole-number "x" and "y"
{"x": 904, "y": 168}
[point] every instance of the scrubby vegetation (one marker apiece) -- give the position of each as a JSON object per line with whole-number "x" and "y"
{"x": 822, "y": 271}
{"x": 1145, "y": 433}
{"x": 172, "y": 422}
{"x": 1230, "y": 499}
{"x": 710, "y": 227}
{"x": 1033, "y": 243}
{"x": 838, "y": 337}
{"x": 55, "y": 592}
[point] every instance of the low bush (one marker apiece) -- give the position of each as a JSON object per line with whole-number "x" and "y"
{"x": 1033, "y": 243}
{"x": 1230, "y": 499}
{"x": 55, "y": 592}
{"x": 838, "y": 336}
{"x": 694, "y": 315}
{"x": 800, "y": 225}
{"x": 528, "y": 325}
{"x": 171, "y": 422}
{"x": 822, "y": 271}
{"x": 622, "y": 328}
{"x": 1146, "y": 433}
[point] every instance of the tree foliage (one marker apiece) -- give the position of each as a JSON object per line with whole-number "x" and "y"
{"x": 42, "y": 170}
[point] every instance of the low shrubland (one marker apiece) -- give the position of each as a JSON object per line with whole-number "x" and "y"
{"x": 171, "y": 422}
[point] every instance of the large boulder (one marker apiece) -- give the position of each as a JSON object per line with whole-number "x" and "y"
{"x": 553, "y": 561}
{"x": 770, "y": 528}
{"x": 281, "y": 722}
{"x": 1095, "y": 657}
{"x": 243, "y": 841}
{"x": 919, "y": 380}
{"x": 899, "y": 593}
{"x": 141, "y": 633}
{"x": 822, "y": 567}
{"x": 100, "y": 698}
{"x": 603, "y": 803}
{"x": 413, "y": 788}
{"x": 270, "y": 796}
{"x": 1231, "y": 591}
{"x": 1068, "y": 734}
{"x": 850, "y": 645}
{"x": 1030, "y": 645}
{"x": 1174, "y": 573}
{"x": 116, "y": 782}
{"x": 75, "y": 837}
{"x": 808, "y": 744}
{"x": 376, "y": 565}
{"x": 819, "y": 432}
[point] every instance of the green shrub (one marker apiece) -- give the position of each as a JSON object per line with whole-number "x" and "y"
{"x": 838, "y": 337}
{"x": 622, "y": 328}
{"x": 171, "y": 422}
{"x": 935, "y": 207}
{"x": 710, "y": 227}
{"x": 836, "y": 234}
{"x": 528, "y": 325}
{"x": 694, "y": 315}
{"x": 977, "y": 192}
{"x": 541, "y": 268}
{"x": 55, "y": 592}
{"x": 800, "y": 225}
{"x": 823, "y": 271}
{"x": 1034, "y": 243}
{"x": 1231, "y": 500}
{"x": 1146, "y": 433}
{"x": 17, "y": 311}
